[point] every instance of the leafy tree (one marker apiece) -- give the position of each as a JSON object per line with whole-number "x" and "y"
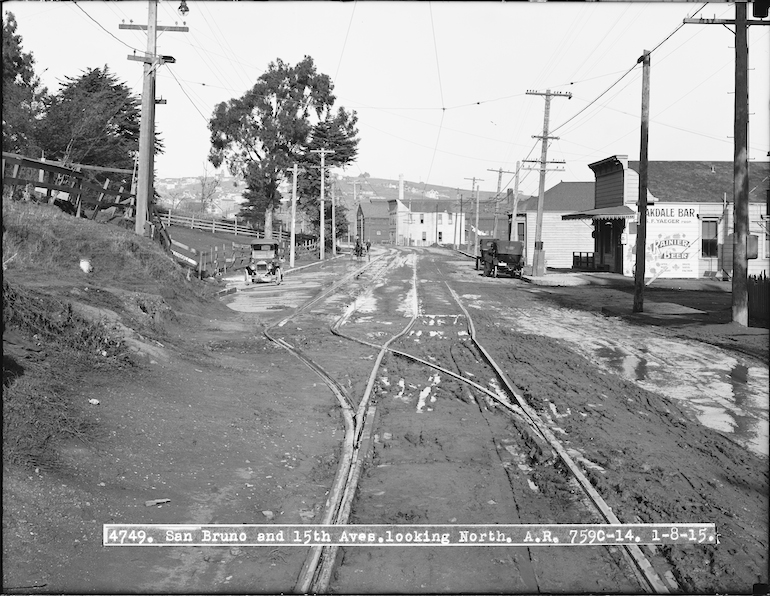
{"x": 260, "y": 135}
{"x": 22, "y": 94}
{"x": 94, "y": 120}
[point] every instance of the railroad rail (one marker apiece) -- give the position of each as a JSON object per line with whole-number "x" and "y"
{"x": 359, "y": 418}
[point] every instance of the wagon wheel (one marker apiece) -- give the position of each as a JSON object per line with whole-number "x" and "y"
{"x": 278, "y": 276}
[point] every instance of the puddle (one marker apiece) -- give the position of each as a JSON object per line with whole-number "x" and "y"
{"x": 725, "y": 392}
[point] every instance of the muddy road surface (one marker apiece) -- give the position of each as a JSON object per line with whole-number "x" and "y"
{"x": 250, "y": 418}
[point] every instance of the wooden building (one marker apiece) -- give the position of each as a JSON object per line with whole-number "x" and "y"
{"x": 561, "y": 238}
{"x": 689, "y": 218}
{"x": 372, "y": 221}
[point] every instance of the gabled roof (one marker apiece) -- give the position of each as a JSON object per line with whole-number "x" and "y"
{"x": 702, "y": 181}
{"x": 565, "y": 197}
{"x": 375, "y": 209}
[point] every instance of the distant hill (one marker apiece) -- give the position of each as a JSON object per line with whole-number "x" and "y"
{"x": 182, "y": 191}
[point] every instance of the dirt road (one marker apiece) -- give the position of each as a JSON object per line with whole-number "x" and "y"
{"x": 233, "y": 429}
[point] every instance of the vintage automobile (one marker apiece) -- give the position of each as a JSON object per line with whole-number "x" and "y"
{"x": 265, "y": 264}
{"x": 510, "y": 258}
{"x": 484, "y": 246}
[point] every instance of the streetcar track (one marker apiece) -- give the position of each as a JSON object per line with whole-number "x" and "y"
{"x": 319, "y": 565}
{"x": 638, "y": 563}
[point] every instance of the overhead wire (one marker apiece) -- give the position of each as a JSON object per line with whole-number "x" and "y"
{"x": 206, "y": 120}
{"x": 345, "y": 42}
{"x": 116, "y": 38}
{"x": 669, "y": 36}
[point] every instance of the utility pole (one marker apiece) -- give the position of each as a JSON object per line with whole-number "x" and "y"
{"x": 454, "y": 234}
{"x": 515, "y": 207}
{"x": 462, "y": 220}
{"x": 740, "y": 300}
{"x": 476, "y": 233}
{"x": 355, "y": 202}
{"x": 293, "y": 214}
{"x": 145, "y": 186}
{"x": 323, "y": 151}
{"x": 500, "y": 172}
{"x": 334, "y": 225}
{"x": 538, "y": 258}
{"x": 641, "y": 226}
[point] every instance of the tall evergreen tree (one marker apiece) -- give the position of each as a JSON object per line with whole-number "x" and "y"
{"x": 22, "y": 94}
{"x": 94, "y": 120}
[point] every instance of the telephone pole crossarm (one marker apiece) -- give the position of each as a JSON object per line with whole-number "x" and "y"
{"x": 145, "y": 188}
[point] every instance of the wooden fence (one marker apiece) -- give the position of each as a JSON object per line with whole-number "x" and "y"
{"x": 83, "y": 197}
{"x": 214, "y": 225}
{"x": 221, "y": 258}
{"x": 757, "y": 286}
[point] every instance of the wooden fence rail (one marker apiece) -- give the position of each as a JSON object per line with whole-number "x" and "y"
{"x": 214, "y": 225}
{"x": 55, "y": 177}
{"x": 33, "y": 174}
{"x": 221, "y": 258}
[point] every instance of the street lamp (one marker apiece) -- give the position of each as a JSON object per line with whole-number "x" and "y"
{"x": 183, "y": 10}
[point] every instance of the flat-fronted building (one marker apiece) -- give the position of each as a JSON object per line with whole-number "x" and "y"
{"x": 560, "y": 237}
{"x": 690, "y": 217}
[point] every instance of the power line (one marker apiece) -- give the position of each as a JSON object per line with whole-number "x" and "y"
{"x": 435, "y": 53}
{"x": 105, "y": 30}
{"x": 206, "y": 120}
{"x": 345, "y": 42}
{"x": 626, "y": 73}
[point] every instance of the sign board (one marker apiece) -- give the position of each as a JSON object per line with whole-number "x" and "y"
{"x": 673, "y": 240}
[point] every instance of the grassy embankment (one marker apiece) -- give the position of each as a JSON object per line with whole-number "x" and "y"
{"x": 59, "y": 322}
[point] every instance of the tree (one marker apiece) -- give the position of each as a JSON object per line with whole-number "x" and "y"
{"x": 207, "y": 188}
{"x": 22, "y": 94}
{"x": 94, "y": 120}
{"x": 337, "y": 132}
{"x": 272, "y": 126}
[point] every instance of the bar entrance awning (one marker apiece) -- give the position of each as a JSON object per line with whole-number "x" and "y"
{"x": 619, "y": 212}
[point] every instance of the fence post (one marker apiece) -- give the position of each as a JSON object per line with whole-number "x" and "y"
{"x": 236, "y": 225}
{"x": 213, "y": 225}
{"x": 101, "y": 198}
{"x": 168, "y": 218}
{"x": 192, "y": 221}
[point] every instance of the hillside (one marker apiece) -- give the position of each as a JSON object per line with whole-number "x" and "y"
{"x": 60, "y": 322}
{"x": 182, "y": 192}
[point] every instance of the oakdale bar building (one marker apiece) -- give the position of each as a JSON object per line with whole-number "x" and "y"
{"x": 689, "y": 218}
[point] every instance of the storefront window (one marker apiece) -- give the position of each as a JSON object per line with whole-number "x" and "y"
{"x": 709, "y": 239}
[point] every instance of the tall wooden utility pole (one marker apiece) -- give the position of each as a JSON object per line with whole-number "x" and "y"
{"x": 145, "y": 186}
{"x": 500, "y": 172}
{"x": 515, "y": 207}
{"x": 355, "y": 203}
{"x": 293, "y": 214}
{"x": 641, "y": 226}
{"x": 476, "y": 232}
{"x": 741, "y": 154}
{"x": 334, "y": 226}
{"x": 454, "y": 234}
{"x": 323, "y": 151}
{"x": 538, "y": 257}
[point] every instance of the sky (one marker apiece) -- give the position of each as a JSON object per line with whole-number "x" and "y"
{"x": 440, "y": 88}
